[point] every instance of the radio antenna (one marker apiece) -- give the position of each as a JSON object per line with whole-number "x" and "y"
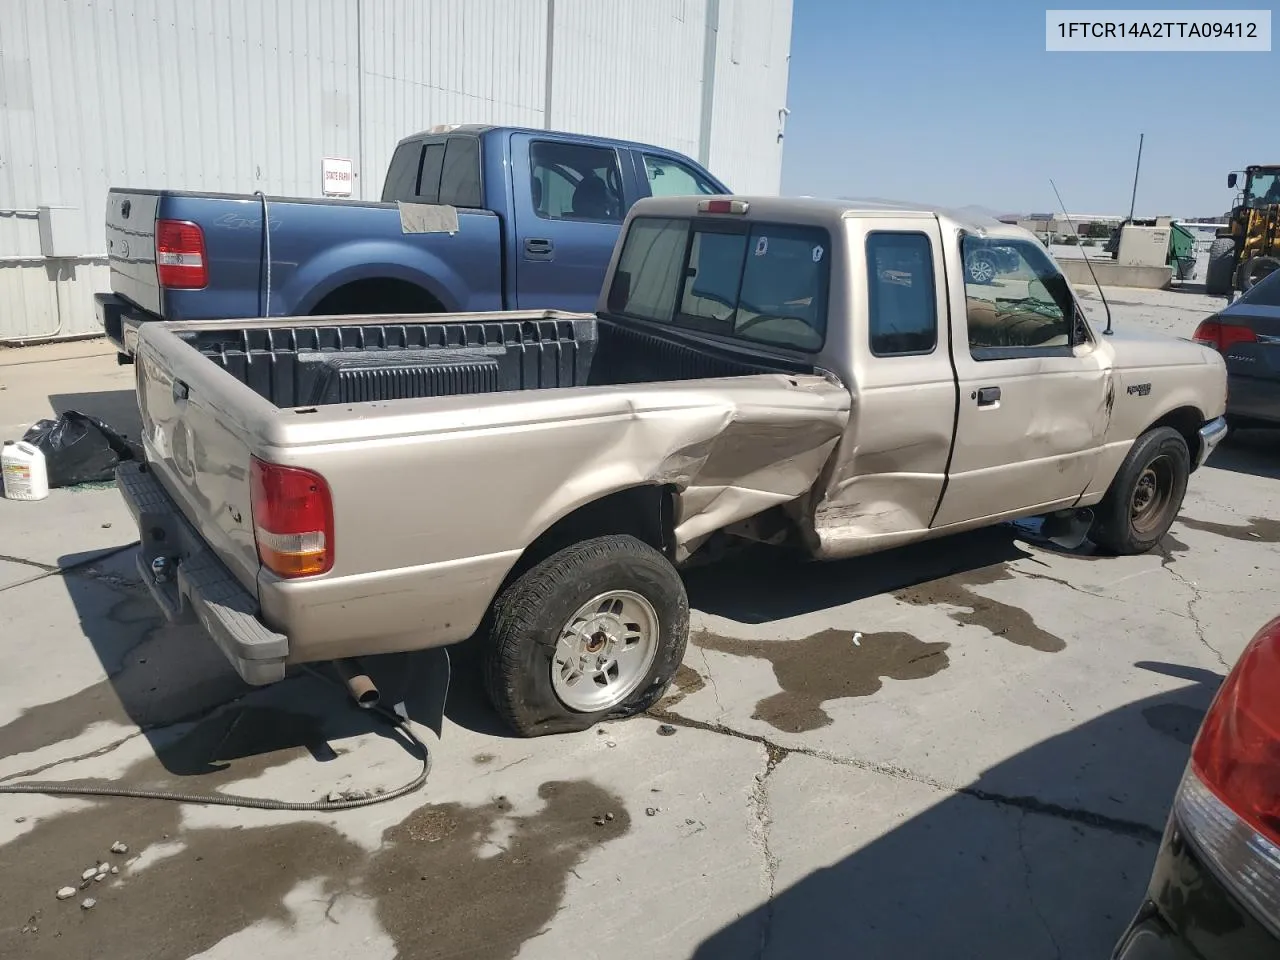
{"x": 1102, "y": 296}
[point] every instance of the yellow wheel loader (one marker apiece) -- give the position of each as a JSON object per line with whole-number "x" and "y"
{"x": 1248, "y": 248}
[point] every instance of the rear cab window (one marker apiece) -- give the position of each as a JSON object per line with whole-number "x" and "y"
{"x": 445, "y": 170}
{"x": 759, "y": 282}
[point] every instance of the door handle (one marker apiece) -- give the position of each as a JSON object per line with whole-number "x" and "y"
{"x": 537, "y": 248}
{"x": 987, "y": 396}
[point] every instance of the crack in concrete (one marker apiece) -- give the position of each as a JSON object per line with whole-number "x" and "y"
{"x": 715, "y": 690}
{"x": 1031, "y": 896}
{"x": 1196, "y": 596}
{"x": 80, "y": 567}
{"x": 29, "y": 563}
{"x": 1064, "y": 583}
{"x": 773, "y": 756}
{"x": 1128, "y": 828}
{"x": 87, "y": 755}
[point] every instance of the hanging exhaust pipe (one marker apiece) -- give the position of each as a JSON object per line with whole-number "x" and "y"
{"x": 362, "y": 689}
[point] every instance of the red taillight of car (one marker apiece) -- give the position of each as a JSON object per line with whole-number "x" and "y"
{"x": 292, "y": 519}
{"x": 1222, "y": 336}
{"x": 180, "y": 256}
{"x": 1229, "y": 801}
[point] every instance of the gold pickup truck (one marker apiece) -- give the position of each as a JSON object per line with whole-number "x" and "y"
{"x": 781, "y": 370}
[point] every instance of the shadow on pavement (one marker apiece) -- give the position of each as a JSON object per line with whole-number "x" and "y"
{"x": 1249, "y": 451}
{"x": 987, "y": 872}
{"x": 768, "y": 584}
{"x": 160, "y": 675}
{"x": 118, "y": 408}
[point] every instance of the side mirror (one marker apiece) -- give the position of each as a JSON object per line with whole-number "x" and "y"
{"x": 1231, "y": 180}
{"x": 619, "y": 291}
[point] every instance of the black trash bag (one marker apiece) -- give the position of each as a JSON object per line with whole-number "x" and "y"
{"x": 79, "y": 448}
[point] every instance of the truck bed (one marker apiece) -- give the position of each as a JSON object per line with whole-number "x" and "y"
{"x": 446, "y": 449}
{"x": 316, "y": 364}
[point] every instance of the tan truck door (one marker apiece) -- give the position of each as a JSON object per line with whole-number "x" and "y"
{"x": 1033, "y": 408}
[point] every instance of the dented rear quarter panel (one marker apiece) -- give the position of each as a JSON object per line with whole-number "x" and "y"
{"x": 436, "y": 498}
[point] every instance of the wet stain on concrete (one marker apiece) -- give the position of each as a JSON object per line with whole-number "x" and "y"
{"x": 686, "y": 682}
{"x": 829, "y": 666}
{"x": 1257, "y": 530}
{"x": 221, "y": 882}
{"x": 1001, "y": 619}
{"x": 437, "y": 897}
{"x": 1175, "y": 720}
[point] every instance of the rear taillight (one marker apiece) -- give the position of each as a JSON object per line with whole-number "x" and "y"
{"x": 180, "y": 255}
{"x": 1222, "y": 336}
{"x": 292, "y": 519}
{"x": 1229, "y": 802}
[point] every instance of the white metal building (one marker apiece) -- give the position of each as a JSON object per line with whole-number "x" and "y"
{"x": 245, "y": 95}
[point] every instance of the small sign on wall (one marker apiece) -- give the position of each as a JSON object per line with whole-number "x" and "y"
{"x": 336, "y": 176}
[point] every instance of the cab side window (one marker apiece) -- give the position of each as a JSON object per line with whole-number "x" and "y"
{"x": 574, "y": 182}
{"x": 670, "y": 178}
{"x": 901, "y": 297}
{"x": 1017, "y": 302}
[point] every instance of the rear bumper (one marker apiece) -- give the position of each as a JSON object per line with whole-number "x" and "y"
{"x": 1211, "y": 435}
{"x": 189, "y": 583}
{"x": 1190, "y": 915}
{"x": 120, "y": 320}
{"x": 1253, "y": 399}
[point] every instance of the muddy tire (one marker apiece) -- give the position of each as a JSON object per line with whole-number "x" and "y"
{"x": 1145, "y": 496}
{"x": 594, "y": 632}
{"x": 1254, "y": 270}
{"x": 1219, "y": 273}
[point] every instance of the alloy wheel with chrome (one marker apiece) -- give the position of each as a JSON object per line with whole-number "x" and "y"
{"x": 604, "y": 651}
{"x": 594, "y": 631}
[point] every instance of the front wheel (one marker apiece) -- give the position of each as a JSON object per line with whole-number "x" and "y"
{"x": 1146, "y": 494}
{"x": 593, "y": 632}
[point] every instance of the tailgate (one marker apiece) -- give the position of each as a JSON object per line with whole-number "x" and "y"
{"x": 194, "y": 441}
{"x": 131, "y": 246}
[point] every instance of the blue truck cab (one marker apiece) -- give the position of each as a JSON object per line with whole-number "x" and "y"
{"x": 471, "y": 218}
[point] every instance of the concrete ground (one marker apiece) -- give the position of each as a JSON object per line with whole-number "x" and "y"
{"x": 964, "y": 749}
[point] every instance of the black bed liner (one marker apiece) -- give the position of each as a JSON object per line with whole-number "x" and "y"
{"x": 299, "y": 366}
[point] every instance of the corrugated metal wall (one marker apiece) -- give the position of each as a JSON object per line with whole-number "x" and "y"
{"x": 244, "y": 95}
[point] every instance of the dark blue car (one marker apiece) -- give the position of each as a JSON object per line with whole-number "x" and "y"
{"x": 1247, "y": 334}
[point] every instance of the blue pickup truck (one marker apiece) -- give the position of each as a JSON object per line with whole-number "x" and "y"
{"x": 472, "y": 218}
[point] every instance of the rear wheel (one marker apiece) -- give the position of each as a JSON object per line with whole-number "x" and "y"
{"x": 1219, "y": 273}
{"x": 1146, "y": 494}
{"x": 594, "y": 632}
{"x": 1256, "y": 269}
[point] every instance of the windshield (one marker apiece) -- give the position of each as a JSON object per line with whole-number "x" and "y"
{"x": 1262, "y": 189}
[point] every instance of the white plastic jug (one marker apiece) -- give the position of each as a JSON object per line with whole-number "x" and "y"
{"x": 23, "y": 468}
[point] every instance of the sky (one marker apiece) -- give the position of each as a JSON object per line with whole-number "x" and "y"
{"x": 957, "y": 103}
